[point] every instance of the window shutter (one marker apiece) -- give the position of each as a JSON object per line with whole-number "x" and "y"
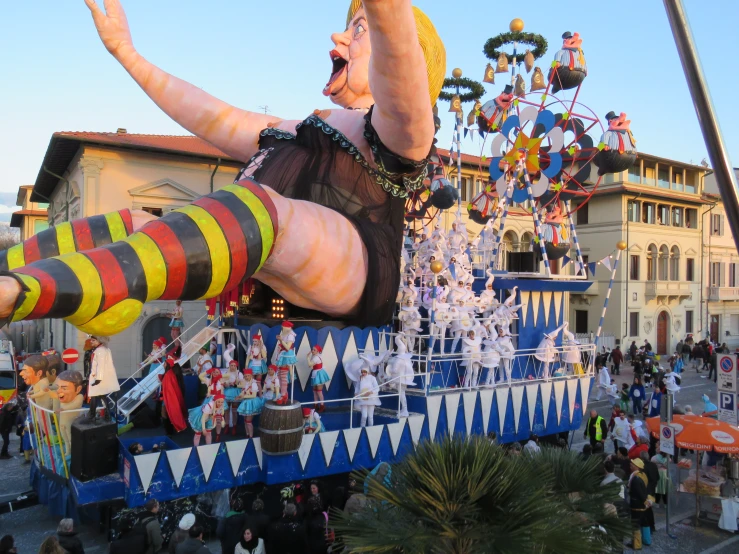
{"x": 722, "y": 271}
{"x": 721, "y": 225}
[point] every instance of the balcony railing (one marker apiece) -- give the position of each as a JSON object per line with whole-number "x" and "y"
{"x": 667, "y": 288}
{"x": 716, "y": 294}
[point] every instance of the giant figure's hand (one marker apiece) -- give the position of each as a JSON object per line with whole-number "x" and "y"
{"x": 112, "y": 25}
{"x": 9, "y": 291}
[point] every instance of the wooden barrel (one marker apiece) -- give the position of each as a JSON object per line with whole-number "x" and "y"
{"x": 281, "y": 428}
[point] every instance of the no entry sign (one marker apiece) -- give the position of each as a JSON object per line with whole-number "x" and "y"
{"x": 727, "y": 374}
{"x": 70, "y": 355}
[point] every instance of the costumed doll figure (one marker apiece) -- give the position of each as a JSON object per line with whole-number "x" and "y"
{"x": 555, "y": 233}
{"x": 68, "y": 391}
{"x": 271, "y": 386}
{"x": 494, "y": 112}
{"x": 487, "y": 302}
{"x": 400, "y": 372}
{"x": 251, "y": 404}
{"x": 312, "y": 422}
{"x": 482, "y": 206}
{"x": 203, "y": 419}
{"x": 571, "y": 69}
{"x": 463, "y": 322}
{"x": 318, "y": 376}
{"x": 471, "y": 359}
{"x": 103, "y": 378}
{"x": 571, "y": 356}
{"x": 619, "y": 145}
{"x": 233, "y": 382}
{"x": 368, "y": 397}
{"x": 507, "y": 351}
{"x": 546, "y": 352}
{"x": 284, "y": 358}
{"x": 34, "y": 373}
{"x": 174, "y": 412}
{"x": 388, "y": 66}
{"x": 213, "y": 380}
{"x": 490, "y": 360}
{"x": 205, "y": 362}
{"x": 177, "y": 323}
{"x": 257, "y": 357}
{"x": 410, "y": 319}
{"x": 671, "y": 384}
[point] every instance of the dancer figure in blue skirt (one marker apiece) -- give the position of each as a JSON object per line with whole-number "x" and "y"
{"x": 284, "y": 358}
{"x": 233, "y": 382}
{"x": 203, "y": 419}
{"x": 251, "y": 403}
{"x": 318, "y": 376}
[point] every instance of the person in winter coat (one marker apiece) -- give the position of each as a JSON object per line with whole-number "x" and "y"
{"x": 249, "y": 543}
{"x": 230, "y": 528}
{"x": 194, "y": 543}
{"x": 103, "y": 378}
{"x": 181, "y": 533}
{"x": 259, "y": 521}
{"x": 150, "y": 522}
{"x": 287, "y": 535}
{"x": 8, "y": 418}
{"x": 130, "y": 539}
{"x": 68, "y": 538}
{"x": 315, "y": 524}
{"x": 617, "y": 357}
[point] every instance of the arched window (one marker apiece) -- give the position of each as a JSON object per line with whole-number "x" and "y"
{"x": 664, "y": 262}
{"x": 508, "y": 244}
{"x": 674, "y": 263}
{"x": 651, "y": 262}
{"x": 527, "y": 241}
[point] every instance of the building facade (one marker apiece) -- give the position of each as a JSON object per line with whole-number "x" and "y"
{"x": 32, "y": 218}
{"x": 86, "y": 174}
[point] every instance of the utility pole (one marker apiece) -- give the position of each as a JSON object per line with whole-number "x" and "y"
{"x": 264, "y": 109}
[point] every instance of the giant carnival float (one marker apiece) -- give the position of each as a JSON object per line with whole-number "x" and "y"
{"x": 348, "y": 321}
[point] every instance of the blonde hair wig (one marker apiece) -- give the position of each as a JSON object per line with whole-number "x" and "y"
{"x": 431, "y": 44}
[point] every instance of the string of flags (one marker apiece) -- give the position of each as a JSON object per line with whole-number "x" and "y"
{"x": 606, "y": 261}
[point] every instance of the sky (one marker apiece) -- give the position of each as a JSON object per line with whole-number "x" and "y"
{"x": 57, "y": 76}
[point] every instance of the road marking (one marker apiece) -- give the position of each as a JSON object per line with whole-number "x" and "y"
{"x": 720, "y": 545}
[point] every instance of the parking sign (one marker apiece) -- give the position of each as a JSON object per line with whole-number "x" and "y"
{"x": 666, "y": 439}
{"x": 726, "y": 374}
{"x": 727, "y": 407}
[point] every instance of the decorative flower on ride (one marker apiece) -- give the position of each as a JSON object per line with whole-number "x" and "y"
{"x": 533, "y": 138}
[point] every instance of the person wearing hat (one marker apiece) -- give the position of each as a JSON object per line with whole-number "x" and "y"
{"x": 176, "y": 325}
{"x": 173, "y": 396}
{"x": 284, "y": 358}
{"x": 205, "y": 362}
{"x": 400, "y": 371}
{"x": 203, "y": 419}
{"x": 103, "y": 378}
{"x": 312, "y": 421}
{"x": 546, "y": 353}
{"x": 180, "y": 534}
{"x": 256, "y": 358}
{"x": 640, "y": 503}
{"x": 271, "y": 386}
{"x": 495, "y": 112}
{"x": 618, "y": 137}
{"x": 487, "y": 302}
{"x": 318, "y": 376}
{"x": 251, "y": 403}
{"x": 471, "y": 359}
{"x": 233, "y": 383}
{"x": 367, "y": 398}
{"x": 570, "y": 69}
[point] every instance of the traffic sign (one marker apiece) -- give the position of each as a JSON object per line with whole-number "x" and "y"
{"x": 666, "y": 439}
{"x": 70, "y": 355}
{"x": 727, "y": 407}
{"x": 726, "y": 379}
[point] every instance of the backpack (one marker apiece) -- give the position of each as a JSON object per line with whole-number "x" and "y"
{"x": 140, "y": 528}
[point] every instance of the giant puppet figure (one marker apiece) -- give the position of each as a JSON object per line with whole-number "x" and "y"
{"x": 323, "y": 192}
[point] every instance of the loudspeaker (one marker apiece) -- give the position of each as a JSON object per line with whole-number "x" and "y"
{"x": 522, "y": 262}
{"x": 94, "y": 449}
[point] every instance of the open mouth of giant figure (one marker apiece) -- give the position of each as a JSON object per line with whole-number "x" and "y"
{"x": 339, "y": 67}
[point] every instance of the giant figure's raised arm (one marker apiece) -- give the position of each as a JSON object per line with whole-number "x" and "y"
{"x": 233, "y": 130}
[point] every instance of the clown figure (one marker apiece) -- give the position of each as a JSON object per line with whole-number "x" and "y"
{"x": 251, "y": 404}
{"x": 284, "y": 358}
{"x": 410, "y": 319}
{"x": 233, "y": 382}
{"x": 203, "y": 419}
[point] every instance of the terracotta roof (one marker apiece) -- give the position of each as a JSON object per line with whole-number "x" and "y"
{"x": 17, "y": 217}
{"x": 467, "y": 159}
{"x": 64, "y": 145}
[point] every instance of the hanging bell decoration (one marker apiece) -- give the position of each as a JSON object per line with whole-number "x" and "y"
{"x": 537, "y": 80}
{"x": 472, "y": 116}
{"x": 519, "y": 89}
{"x": 489, "y": 74}
{"x": 502, "y": 65}
{"x": 456, "y": 104}
{"x": 528, "y": 61}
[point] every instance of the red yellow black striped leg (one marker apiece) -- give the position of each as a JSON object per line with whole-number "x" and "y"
{"x": 196, "y": 252}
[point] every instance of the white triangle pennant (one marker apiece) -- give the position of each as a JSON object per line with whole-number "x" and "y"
{"x": 525, "y": 300}
{"x": 571, "y": 395}
{"x": 469, "y": 399}
{"x": 546, "y": 397}
{"x": 452, "y": 407}
{"x": 433, "y": 406}
{"x": 585, "y": 383}
{"x": 395, "y": 431}
{"x": 559, "y": 396}
{"x": 177, "y": 462}
{"x": 606, "y": 262}
{"x": 557, "y": 299}
{"x": 416, "y": 425}
{"x": 305, "y": 446}
{"x": 235, "y": 451}
{"x": 351, "y": 436}
{"x": 257, "y": 443}
{"x": 146, "y": 464}
{"x": 301, "y": 367}
{"x": 486, "y": 404}
{"x": 374, "y": 434}
{"x": 328, "y": 443}
{"x": 517, "y": 396}
{"x": 531, "y": 392}
{"x": 369, "y": 344}
{"x": 547, "y": 300}
{"x": 384, "y": 337}
{"x": 501, "y": 396}
{"x": 535, "y": 303}
{"x": 331, "y": 358}
{"x": 207, "y": 454}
